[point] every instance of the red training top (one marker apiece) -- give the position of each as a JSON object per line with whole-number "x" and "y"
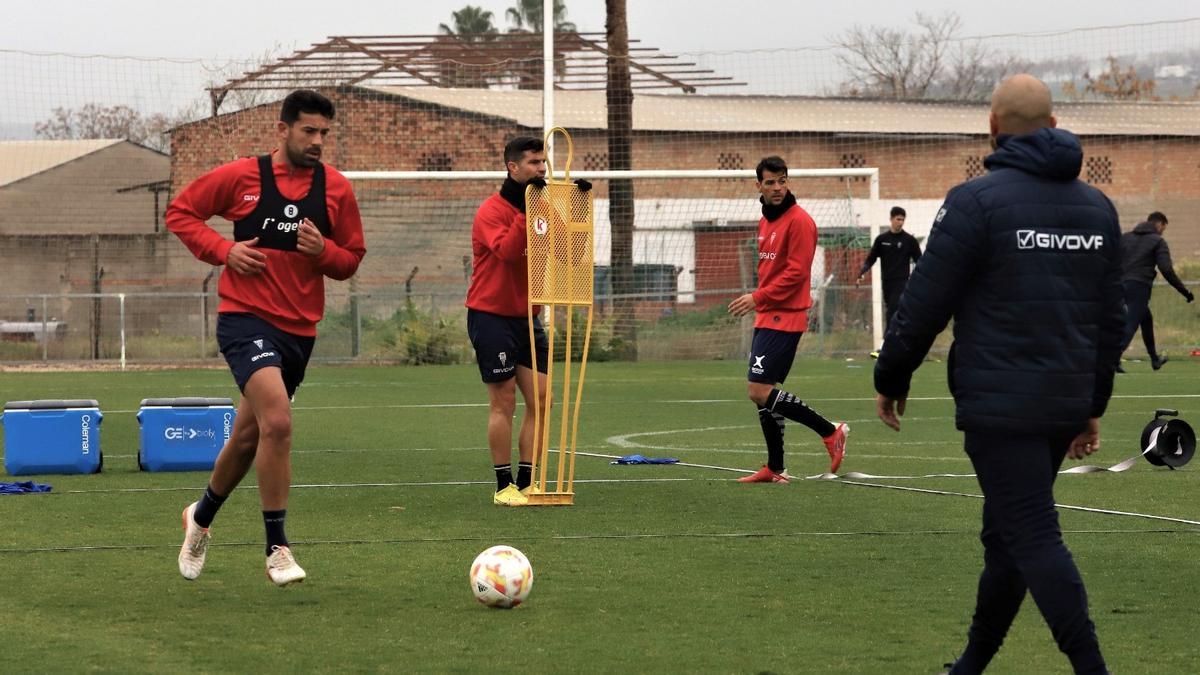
{"x": 290, "y": 293}
{"x": 786, "y": 247}
{"x": 499, "y": 280}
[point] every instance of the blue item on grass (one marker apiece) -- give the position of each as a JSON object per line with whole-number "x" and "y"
{"x": 183, "y": 434}
{"x": 52, "y": 436}
{"x": 642, "y": 459}
{"x": 23, "y": 487}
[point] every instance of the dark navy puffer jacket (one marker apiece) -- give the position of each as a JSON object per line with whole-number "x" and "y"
{"x": 1143, "y": 249}
{"x": 1026, "y": 261}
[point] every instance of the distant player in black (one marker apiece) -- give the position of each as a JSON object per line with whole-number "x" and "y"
{"x": 1143, "y": 249}
{"x": 898, "y": 251}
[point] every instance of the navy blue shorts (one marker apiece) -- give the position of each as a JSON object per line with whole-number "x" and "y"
{"x": 771, "y": 355}
{"x": 502, "y": 343}
{"x": 250, "y": 343}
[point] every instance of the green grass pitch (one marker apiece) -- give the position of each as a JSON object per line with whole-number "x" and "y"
{"x": 654, "y": 569}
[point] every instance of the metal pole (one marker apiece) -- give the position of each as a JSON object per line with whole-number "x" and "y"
{"x": 45, "y": 336}
{"x": 355, "y": 320}
{"x": 876, "y": 277}
{"x": 121, "y": 300}
{"x": 203, "y": 324}
{"x": 548, "y": 72}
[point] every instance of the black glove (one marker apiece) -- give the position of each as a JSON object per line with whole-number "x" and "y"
{"x": 583, "y": 185}
{"x": 537, "y": 181}
{"x": 1190, "y": 296}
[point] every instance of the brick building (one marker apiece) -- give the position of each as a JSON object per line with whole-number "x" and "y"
{"x": 114, "y": 186}
{"x": 1142, "y": 155}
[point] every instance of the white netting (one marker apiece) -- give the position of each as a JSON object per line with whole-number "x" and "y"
{"x": 92, "y": 148}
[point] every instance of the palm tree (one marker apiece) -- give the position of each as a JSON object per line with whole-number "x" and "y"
{"x": 470, "y": 23}
{"x": 526, "y": 17}
{"x": 619, "y": 97}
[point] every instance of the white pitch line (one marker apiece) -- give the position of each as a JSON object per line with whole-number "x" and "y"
{"x": 619, "y": 440}
{"x": 573, "y": 537}
{"x": 451, "y": 406}
{"x": 1069, "y": 507}
{"x": 450, "y": 483}
{"x": 325, "y": 451}
{"x": 910, "y": 399}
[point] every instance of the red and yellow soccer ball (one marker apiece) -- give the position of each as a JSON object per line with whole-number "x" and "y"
{"x": 501, "y": 577}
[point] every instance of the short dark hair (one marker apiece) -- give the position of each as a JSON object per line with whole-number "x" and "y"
{"x": 305, "y": 101}
{"x": 774, "y": 164}
{"x": 515, "y": 149}
{"x": 898, "y": 211}
{"x": 1157, "y": 217}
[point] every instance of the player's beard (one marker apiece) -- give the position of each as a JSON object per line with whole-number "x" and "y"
{"x": 302, "y": 158}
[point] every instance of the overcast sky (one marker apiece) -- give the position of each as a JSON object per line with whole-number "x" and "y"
{"x": 180, "y": 47}
{"x": 239, "y": 28}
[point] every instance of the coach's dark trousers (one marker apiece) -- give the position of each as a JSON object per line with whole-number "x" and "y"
{"x": 892, "y": 290}
{"x": 1023, "y": 550}
{"x": 1137, "y": 313}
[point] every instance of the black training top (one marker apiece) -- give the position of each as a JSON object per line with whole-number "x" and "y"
{"x": 895, "y": 250}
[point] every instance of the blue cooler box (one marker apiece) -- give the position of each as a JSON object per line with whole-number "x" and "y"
{"x": 52, "y": 437}
{"x": 183, "y": 434}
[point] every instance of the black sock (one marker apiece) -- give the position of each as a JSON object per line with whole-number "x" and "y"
{"x": 524, "y": 474}
{"x": 273, "y": 520}
{"x": 207, "y": 507}
{"x": 791, "y": 407}
{"x": 503, "y": 476}
{"x": 773, "y": 433}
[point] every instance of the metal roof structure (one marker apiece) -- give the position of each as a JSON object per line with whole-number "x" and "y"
{"x": 506, "y": 60}
{"x": 791, "y": 114}
{"x": 22, "y": 159}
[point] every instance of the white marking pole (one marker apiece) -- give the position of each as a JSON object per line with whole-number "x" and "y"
{"x": 121, "y": 300}
{"x": 876, "y": 277}
{"x": 548, "y": 73}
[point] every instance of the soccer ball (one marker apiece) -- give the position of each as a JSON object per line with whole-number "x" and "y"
{"x": 501, "y": 577}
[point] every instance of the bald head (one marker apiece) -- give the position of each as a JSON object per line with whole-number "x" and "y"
{"x": 1021, "y": 105}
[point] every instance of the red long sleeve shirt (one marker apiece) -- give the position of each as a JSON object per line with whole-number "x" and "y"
{"x": 290, "y": 292}
{"x": 499, "y": 280}
{"x": 786, "y": 247}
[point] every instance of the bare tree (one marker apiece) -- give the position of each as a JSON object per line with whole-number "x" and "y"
{"x": 93, "y": 120}
{"x": 890, "y": 63}
{"x": 930, "y": 62}
{"x": 973, "y": 70}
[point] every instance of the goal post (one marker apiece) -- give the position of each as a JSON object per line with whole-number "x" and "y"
{"x": 693, "y": 235}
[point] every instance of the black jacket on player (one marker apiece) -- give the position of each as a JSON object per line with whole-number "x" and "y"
{"x": 1143, "y": 249}
{"x": 1026, "y": 262}
{"x": 895, "y": 251}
